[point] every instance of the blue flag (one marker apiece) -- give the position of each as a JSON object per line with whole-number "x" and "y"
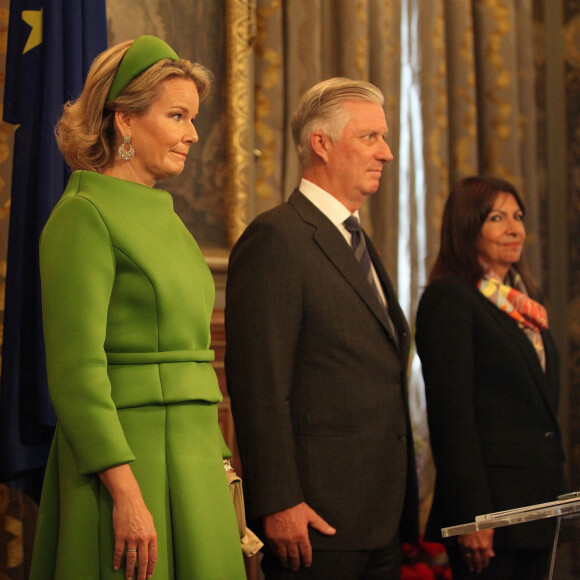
{"x": 51, "y": 44}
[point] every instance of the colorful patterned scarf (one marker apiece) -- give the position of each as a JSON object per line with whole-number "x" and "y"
{"x": 513, "y": 299}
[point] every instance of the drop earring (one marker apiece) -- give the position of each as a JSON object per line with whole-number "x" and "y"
{"x": 126, "y": 150}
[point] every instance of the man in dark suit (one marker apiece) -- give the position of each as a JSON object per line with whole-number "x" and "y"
{"x": 317, "y": 350}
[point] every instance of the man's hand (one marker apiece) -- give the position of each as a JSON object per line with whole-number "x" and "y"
{"x": 287, "y": 534}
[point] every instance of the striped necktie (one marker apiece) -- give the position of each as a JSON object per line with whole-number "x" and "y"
{"x": 361, "y": 253}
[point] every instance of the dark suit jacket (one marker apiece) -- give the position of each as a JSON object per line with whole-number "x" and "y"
{"x": 318, "y": 387}
{"x": 492, "y": 413}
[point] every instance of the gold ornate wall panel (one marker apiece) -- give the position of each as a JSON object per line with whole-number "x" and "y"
{"x": 269, "y": 103}
{"x": 241, "y": 27}
{"x": 18, "y": 515}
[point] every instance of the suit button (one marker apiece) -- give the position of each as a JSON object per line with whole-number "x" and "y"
{"x": 402, "y": 438}
{"x": 549, "y": 434}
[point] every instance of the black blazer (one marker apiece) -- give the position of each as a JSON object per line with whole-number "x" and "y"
{"x": 492, "y": 413}
{"x": 317, "y": 385}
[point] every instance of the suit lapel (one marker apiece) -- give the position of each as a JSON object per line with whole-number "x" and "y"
{"x": 525, "y": 346}
{"x": 334, "y": 246}
{"x": 395, "y": 311}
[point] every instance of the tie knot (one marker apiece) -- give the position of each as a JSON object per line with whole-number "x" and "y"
{"x": 352, "y": 224}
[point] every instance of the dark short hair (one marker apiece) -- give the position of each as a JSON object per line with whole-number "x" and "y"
{"x": 465, "y": 212}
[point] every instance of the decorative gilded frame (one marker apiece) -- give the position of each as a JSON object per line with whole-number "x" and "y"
{"x": 240, "y": 35}
{"x": 240, "y": 22}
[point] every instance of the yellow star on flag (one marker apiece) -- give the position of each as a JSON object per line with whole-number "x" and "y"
{"x": 34, "y": 19}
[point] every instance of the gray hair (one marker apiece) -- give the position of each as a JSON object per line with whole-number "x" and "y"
{"x": 321, "y": 109}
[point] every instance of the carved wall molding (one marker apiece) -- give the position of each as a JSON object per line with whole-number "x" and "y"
{"x": 241, "y": 34}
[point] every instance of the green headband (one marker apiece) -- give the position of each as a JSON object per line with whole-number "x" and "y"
{"x": 142, "y": 54}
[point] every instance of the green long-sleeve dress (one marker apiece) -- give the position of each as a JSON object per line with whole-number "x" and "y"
{"x": 127, "y": 299}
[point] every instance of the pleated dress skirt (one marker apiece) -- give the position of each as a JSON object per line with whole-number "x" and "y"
{"x": 180, "y": 471}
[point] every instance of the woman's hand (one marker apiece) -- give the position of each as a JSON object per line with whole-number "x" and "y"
{"x": 476, "y": 549}
{"x": 132, "y": 523}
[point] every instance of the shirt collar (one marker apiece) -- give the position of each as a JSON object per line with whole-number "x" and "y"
{"x": 325, "y": 202}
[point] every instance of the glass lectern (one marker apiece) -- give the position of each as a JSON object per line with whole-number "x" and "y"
{"x": 563, "y": 564}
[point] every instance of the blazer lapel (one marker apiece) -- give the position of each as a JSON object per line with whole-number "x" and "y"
{"x": 334, "y": 246}
{"x": 527, "y": 350}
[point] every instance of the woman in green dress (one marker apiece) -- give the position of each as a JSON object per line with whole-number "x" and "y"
{"x": 135, "y": 484}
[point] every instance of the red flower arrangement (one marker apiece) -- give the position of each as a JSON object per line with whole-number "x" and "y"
{"x": 425, "y": 561}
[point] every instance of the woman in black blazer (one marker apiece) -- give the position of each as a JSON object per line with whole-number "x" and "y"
{"x": 491, "y": 379}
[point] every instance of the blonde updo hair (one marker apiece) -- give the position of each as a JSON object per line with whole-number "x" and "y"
{"x": 85, "y": 133}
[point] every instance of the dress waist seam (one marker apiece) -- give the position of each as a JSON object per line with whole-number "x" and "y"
{"x": 170, "y": 356}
